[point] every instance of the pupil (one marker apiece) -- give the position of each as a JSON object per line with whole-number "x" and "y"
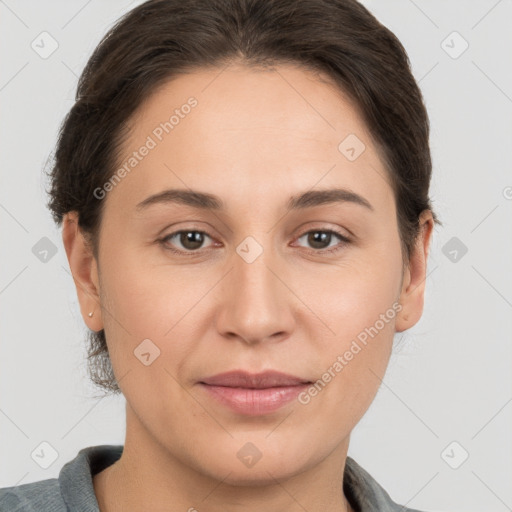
{"x": 315, "y": 236}
{"x": 191, "y": 239}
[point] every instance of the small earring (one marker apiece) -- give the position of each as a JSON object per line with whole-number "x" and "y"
{"x": 90, "y": 314}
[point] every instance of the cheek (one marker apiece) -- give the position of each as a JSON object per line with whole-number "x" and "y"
{"x": 358, "y": 303}
{"x": 146, "y": 298}
{"x": 353, "y": 294}
{"x": 153, "y": 317}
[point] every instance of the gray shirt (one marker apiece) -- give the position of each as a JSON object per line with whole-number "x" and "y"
{"x": 73, "y": 490}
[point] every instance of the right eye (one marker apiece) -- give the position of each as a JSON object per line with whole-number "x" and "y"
{"x": 190, "y": 239}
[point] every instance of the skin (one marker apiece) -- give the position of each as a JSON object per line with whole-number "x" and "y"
{"x": 256, "y": 138}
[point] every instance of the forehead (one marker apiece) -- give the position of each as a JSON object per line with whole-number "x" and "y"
{"x": 287, "y": 99}
{"x": 249, "y": 130}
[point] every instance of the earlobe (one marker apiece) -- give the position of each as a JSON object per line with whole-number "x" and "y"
{"x": 84, "y": 271}
{"x": 413, "y": 287}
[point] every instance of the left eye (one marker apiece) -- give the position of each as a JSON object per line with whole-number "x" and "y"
{"x": 318, "y": 238}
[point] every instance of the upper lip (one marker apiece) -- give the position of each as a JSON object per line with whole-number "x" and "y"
{"x": 243, "y": 379}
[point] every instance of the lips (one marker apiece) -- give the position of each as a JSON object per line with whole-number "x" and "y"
{"x": 253, "y": 394}
{"x": 264, "y": 380}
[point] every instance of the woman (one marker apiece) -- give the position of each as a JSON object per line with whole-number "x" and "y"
{"x": 243, "y": 192}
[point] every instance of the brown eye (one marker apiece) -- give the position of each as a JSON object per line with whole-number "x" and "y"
{"x": 317, "y": 239}
{"x": 190, "y": 240}
{"x": 321, "y": 240}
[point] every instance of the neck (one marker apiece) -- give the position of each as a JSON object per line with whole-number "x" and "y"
{"x": 147, "y": 473}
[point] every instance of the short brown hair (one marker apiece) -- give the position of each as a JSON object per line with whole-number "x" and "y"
{"x": 160, "y": 39}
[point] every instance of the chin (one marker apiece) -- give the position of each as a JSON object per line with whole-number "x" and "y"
{"x": 249, "y": 465}
{"x": 260, "y": 475}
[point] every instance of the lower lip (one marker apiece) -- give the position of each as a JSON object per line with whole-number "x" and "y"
{"x": 254, "y": 402}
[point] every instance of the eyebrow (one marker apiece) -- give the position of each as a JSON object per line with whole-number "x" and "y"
{"x": 207, "y": 201}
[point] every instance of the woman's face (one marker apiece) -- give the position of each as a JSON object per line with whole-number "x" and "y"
{"x": 258, "y": 283}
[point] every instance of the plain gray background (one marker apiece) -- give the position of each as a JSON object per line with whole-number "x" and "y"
{"x": 447, "y": 393}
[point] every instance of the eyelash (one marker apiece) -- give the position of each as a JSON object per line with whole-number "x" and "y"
{"x": 343, "y": 238}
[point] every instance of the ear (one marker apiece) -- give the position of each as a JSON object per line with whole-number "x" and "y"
{"x": 84, "y": 270}
{"x": 413, "y": 284}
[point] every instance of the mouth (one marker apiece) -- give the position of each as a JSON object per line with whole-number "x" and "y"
{"x": 264, "y": 380}
{"x": 253, "y": 394}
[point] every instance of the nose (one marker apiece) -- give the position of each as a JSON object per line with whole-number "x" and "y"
{"x": 256, "y": 303}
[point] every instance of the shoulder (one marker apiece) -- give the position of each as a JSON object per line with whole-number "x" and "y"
{"x": 72, "y": 490}
{"x": 365, "y": 493}
{"x": 33, "y": 497}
